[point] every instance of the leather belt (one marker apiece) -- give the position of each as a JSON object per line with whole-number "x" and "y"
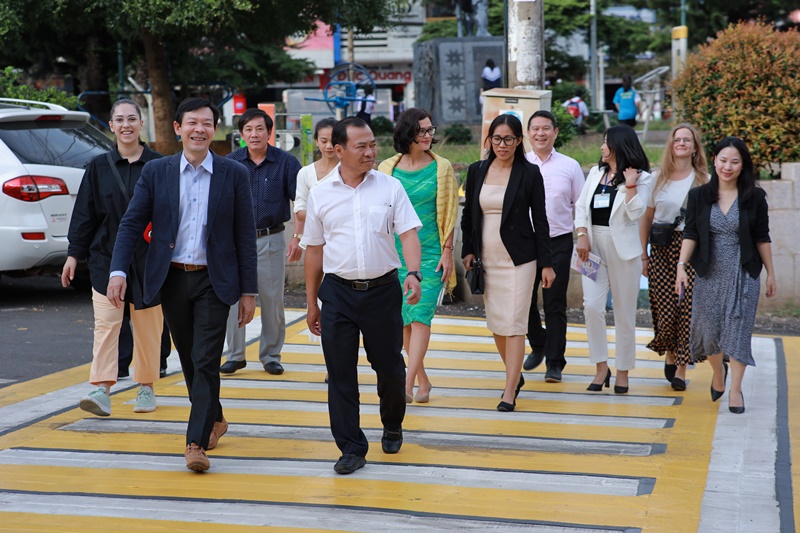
{"x": 187, "y": 268}
{"x": 270, "y": 231}
{"x": 366, "y": 284}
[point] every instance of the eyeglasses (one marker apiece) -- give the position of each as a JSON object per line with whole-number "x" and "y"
{"x": 506, "y": 141}
{"x": 119, "y": 121}
{"x": 430, "y": 131}
{"x": 684, "y": 140}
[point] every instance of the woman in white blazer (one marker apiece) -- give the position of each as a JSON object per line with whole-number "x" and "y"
{"x": 607, "y": 215}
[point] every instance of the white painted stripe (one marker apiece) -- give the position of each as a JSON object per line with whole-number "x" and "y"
{"x": 661, "y": 401}
{"x": 422, "y": 438}
{"x": 426, "y": 475}
{"x": 740, "y": 487}
{"x": 7, "y": 380}
{"x": 435, "y": 412}
{"x": 269, "y": 515}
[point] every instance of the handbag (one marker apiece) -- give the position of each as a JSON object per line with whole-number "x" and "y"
{"x": 661, "y": 234}
{"x": 475, "y": 278}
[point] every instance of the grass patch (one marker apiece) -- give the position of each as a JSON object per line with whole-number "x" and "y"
{"x": 790, "y": 311}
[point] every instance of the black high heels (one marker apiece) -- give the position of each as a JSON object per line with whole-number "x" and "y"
{"x": 520, "y": 384}
{"x": 669, "y": 371}
{"x": 736, "y": 410}
{"x": 715, "y": 394}
{"x": 597, "y": 387}
{"x": 506, "y": 407}
{"x": 618, "y": 389}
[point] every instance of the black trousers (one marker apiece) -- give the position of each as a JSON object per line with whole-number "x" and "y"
{"x": 554, "y": 301}
{"x": 376, "y": 314}
{"x": 126, "y": 343}
{"x": 197, "y": 319}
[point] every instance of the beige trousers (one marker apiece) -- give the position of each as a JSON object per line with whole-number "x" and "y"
{"x": 147, "y": 325}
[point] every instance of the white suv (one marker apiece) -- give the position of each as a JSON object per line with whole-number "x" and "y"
{"x": 44, "y": 149}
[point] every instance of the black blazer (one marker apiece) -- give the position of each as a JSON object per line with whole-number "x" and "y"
{"x": 524, "y": 196}
{"x": 96, "y": 216}
{"x": 753, "y": 228}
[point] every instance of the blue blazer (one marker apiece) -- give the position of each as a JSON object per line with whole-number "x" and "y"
{"x": 230, "y": 233}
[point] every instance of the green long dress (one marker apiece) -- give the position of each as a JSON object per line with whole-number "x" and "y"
{"x": 420, "y": 185}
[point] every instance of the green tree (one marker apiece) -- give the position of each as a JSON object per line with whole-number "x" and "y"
{"x": 11, "y": 88}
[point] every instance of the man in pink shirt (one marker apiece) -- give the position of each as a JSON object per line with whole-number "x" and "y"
{"x": 563, "y": 181}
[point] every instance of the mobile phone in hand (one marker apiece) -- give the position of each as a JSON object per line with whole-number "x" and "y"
{"x": 681, "y": 293}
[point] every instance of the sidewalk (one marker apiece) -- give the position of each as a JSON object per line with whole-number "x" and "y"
{"x": 566, "y": 461}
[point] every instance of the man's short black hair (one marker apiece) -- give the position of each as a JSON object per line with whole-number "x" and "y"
{"x": 546, "y": 114}
{"x": 193, "y": 104}
{"x": 339, "y": 135}
{"x": 254, "y": 113}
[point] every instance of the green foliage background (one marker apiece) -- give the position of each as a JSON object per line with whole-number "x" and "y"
{"x": 11, "y": 88}
{"x": 745, "y": 83}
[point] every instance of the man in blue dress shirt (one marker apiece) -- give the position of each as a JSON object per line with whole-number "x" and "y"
{"x": 273, "y": 180}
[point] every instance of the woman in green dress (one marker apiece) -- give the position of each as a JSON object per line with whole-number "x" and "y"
{"x": 431, "y": 185}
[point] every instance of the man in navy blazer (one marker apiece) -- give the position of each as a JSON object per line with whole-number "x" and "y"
{"x": 201, "y": 259}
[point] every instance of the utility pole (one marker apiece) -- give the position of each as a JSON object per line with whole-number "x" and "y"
{"x": 525, "y": 52}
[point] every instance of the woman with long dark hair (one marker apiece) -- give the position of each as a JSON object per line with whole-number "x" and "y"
{"x": 432, "y": 188}
{"x": 683, "y": 167}
{"x": 727, "y": 242}
{"x": 607, "y": 215}
{"x": 503, "y": 195}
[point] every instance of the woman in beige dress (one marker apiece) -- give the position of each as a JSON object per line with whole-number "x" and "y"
{"x": 504, "y": 194}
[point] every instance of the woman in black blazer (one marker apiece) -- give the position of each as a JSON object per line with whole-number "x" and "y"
{"x": 503, "y": 193}
{"x": 726, "y": 240}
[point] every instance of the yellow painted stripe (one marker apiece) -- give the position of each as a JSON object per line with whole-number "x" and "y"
{"x": 341, "y": 491}
{"x": 269, "y": 448}
{"x": 791, "y": 347}
{"x": 34, "y": 388}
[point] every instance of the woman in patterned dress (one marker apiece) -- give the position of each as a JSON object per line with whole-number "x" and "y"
{"x": 727, "y": 241}
{"x": 431, "y": 185}
{"x": 683, "y": 167}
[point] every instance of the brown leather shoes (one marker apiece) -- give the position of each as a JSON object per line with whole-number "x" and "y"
{"x": 219, "y": 429}
{"x": 196, "y": 458}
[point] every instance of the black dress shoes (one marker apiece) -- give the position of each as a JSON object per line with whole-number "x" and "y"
{"x": 232, "y": 366}
{"x": 274, "y": 368}
{"x": 553, "y": 375}
{"x": 392, "y": 441}
{"x": 534, "y": 359}
{"x": 162, "y": 373}
{"x": 349, "y": 463}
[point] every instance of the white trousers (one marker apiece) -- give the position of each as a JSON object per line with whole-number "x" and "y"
{"x": 622, "y": 277}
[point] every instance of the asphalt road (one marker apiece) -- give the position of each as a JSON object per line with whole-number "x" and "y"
{"x": 44, "y": 328}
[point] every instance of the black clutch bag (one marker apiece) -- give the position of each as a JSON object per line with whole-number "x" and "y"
{"x": 475, "y": 277}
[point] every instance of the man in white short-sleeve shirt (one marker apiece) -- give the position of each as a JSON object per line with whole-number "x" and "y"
{"x": 349, "y": 234}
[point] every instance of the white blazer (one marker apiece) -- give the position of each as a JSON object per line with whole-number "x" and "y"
{"x": 624, "y": 219}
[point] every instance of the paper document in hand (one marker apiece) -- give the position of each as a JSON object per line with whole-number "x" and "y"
{"x": 588, "y": 268}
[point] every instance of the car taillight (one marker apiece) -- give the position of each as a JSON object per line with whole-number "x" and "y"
{"x": 34, "y": 188}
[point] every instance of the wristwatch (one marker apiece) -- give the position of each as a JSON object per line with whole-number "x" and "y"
{"x": 582, "y": 234}
{"x": 416, "y": 274}
{"x": 297, "y": 236}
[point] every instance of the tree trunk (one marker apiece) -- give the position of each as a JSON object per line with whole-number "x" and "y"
{"x": 158, "y": 73}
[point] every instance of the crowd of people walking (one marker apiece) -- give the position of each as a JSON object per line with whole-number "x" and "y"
{"x": 187, "y": 242}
